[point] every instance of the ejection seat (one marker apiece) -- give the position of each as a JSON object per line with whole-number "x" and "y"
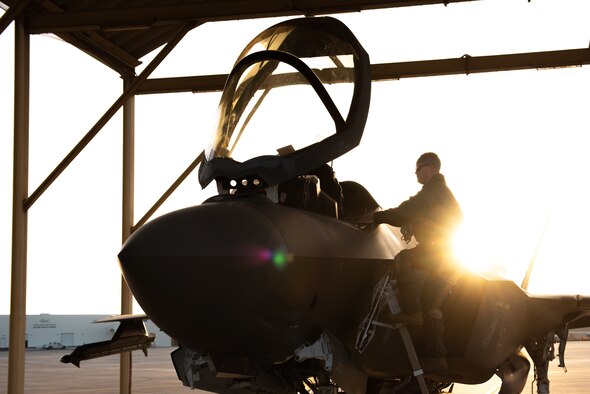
{"x": 319, "y": 192}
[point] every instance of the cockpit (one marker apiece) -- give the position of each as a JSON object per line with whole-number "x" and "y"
{"x": 296, "y": 99}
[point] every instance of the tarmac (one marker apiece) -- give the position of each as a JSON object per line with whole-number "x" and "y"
{"x": 155, "y": 374}
{"x": 575, "y": 381}
{"x": 45, "y": 374}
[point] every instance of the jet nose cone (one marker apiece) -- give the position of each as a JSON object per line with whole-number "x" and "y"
{"x": 204, "y": 266}
{"x": 235, "y": 227}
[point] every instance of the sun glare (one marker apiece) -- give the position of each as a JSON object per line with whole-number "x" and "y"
{"x": 555, "y": 242}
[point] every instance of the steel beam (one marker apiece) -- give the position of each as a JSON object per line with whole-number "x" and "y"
{"x": 467, "y": 64}
{"x": 139, "y": 18}
{"x": 94, "y": 43}
{"x": 130, "y": 91}
{"x": 388, "y": 71}
{"x": 196, "y": 84}
{"x": 170, "y": 190}
{"x": 12, "y": 13}
{"x": 18, "y": 284}
{"x": 127, "y": 221}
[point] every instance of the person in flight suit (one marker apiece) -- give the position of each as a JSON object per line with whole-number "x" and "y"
{"x": 431, "y": 217}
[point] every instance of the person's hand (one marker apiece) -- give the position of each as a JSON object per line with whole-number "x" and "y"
{"x": 361, "y": 220}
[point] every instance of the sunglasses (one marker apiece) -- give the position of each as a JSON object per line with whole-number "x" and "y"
{"x": 419, "y": 166}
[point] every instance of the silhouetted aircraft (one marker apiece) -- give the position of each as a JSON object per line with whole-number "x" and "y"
{"x": 268, "y": 287}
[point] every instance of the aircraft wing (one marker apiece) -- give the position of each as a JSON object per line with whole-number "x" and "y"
{"x": 582, "y": 316}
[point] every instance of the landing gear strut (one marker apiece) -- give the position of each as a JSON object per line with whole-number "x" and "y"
{"x": 542, "y": 351}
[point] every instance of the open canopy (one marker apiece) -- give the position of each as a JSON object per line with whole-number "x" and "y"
{"x": 288, "y": 105}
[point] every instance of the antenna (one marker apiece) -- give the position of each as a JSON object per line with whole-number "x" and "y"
{"x": 525, "y": 281}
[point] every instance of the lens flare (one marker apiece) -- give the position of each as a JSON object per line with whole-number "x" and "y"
{"x": 278, "y": 257}
{"x": 265, "y": 255}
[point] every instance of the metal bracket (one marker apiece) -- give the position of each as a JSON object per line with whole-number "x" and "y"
{"x": 384, "y": 292}
{"x": 188, "y": 363}
{"x": 320, "y": 349}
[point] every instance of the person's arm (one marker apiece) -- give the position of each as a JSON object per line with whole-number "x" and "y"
{"x": 390, "y": 216}
{"x": 405, "y": 213}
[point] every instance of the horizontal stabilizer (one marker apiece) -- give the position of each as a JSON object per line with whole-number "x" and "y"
{"x": 130, "y": 335}
{"x": 581, "y": 322}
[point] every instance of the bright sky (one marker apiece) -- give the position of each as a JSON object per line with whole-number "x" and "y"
{"x": 513, "y": 144}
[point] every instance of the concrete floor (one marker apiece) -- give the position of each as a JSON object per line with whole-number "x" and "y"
{"x": 45, "y": 374}
{"x": 155, "y": 374}
{"x": 575, "y": 381}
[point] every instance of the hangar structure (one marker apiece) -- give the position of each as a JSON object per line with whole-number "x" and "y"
{"x": 119, "y": 33}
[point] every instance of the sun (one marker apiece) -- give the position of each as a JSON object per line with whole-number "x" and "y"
{"x": 479, "y": 247}
{"x": 556, "y": 243}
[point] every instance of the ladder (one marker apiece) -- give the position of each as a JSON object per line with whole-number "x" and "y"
{"x": 385, "y": 292}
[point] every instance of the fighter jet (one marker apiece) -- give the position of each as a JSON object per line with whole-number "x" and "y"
{"x": 270, "y": 287}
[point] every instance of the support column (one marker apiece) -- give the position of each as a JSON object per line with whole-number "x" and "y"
{"x": 18, "y": 284}
{"x": 127, "y": 220}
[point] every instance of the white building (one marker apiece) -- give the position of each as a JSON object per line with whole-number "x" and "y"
{"x": 71, "y": 330}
